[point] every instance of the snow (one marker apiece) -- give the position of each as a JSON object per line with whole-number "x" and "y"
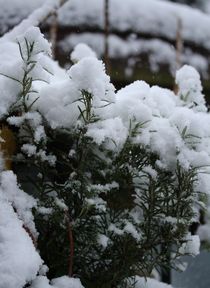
{"x": 19, "y": 261}
{"x": 29, "y": 149}
{"x": 33, "y": 117}
{"x": 103, "y": 240}
{"x": 107, "y": 130}
{"x": 190, "y": 87}
{"x": 66, "y": 282}
{"x": 105, "y": 188}
{"x": 130, "y": 229}
{"x": 32, "y": 35}
{"x": 61, "y": 204}
{"x": 20, "y": 201}
{"x": 51, "y": 159}
{"x": 81, "y": 51}
{"x": 39, "y": 134}
{"x": 14, "y": 65}
{"x": 59, "y": 101}
{"x": 61, "y": 282}
{"x": 192, "y": 246}
{"x": 149, "y": 170}
{"x": 41, "y": 282}
{"x": 129, "y": 105}
{"x": 95, "y": 81}
{"x": 127, "y": 229}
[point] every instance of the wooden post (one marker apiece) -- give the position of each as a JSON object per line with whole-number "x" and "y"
{"x": 179, "y": 44}
{"x": 54, "y": 33}
{"x": 106, "y": 36}
{"x": 179, "y": 49}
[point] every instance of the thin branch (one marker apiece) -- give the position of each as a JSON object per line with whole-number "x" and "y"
{"x": 71, "y": 243}
{"x": 33, "y": 238}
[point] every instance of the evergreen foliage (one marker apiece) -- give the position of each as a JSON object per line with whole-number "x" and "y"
{"x": 106, "y": 212}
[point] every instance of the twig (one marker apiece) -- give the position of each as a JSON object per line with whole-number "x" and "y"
{"x": 33, "y": 238}
{"x": 71, "y": 243}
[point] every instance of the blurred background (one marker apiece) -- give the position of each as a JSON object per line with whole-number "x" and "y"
{"x": 138, "y": 39}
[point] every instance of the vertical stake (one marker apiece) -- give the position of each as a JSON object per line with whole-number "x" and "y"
{"x": 179, "y": 49}
{"x": 54, "y": 33}
{"x": 106, "y": 36}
